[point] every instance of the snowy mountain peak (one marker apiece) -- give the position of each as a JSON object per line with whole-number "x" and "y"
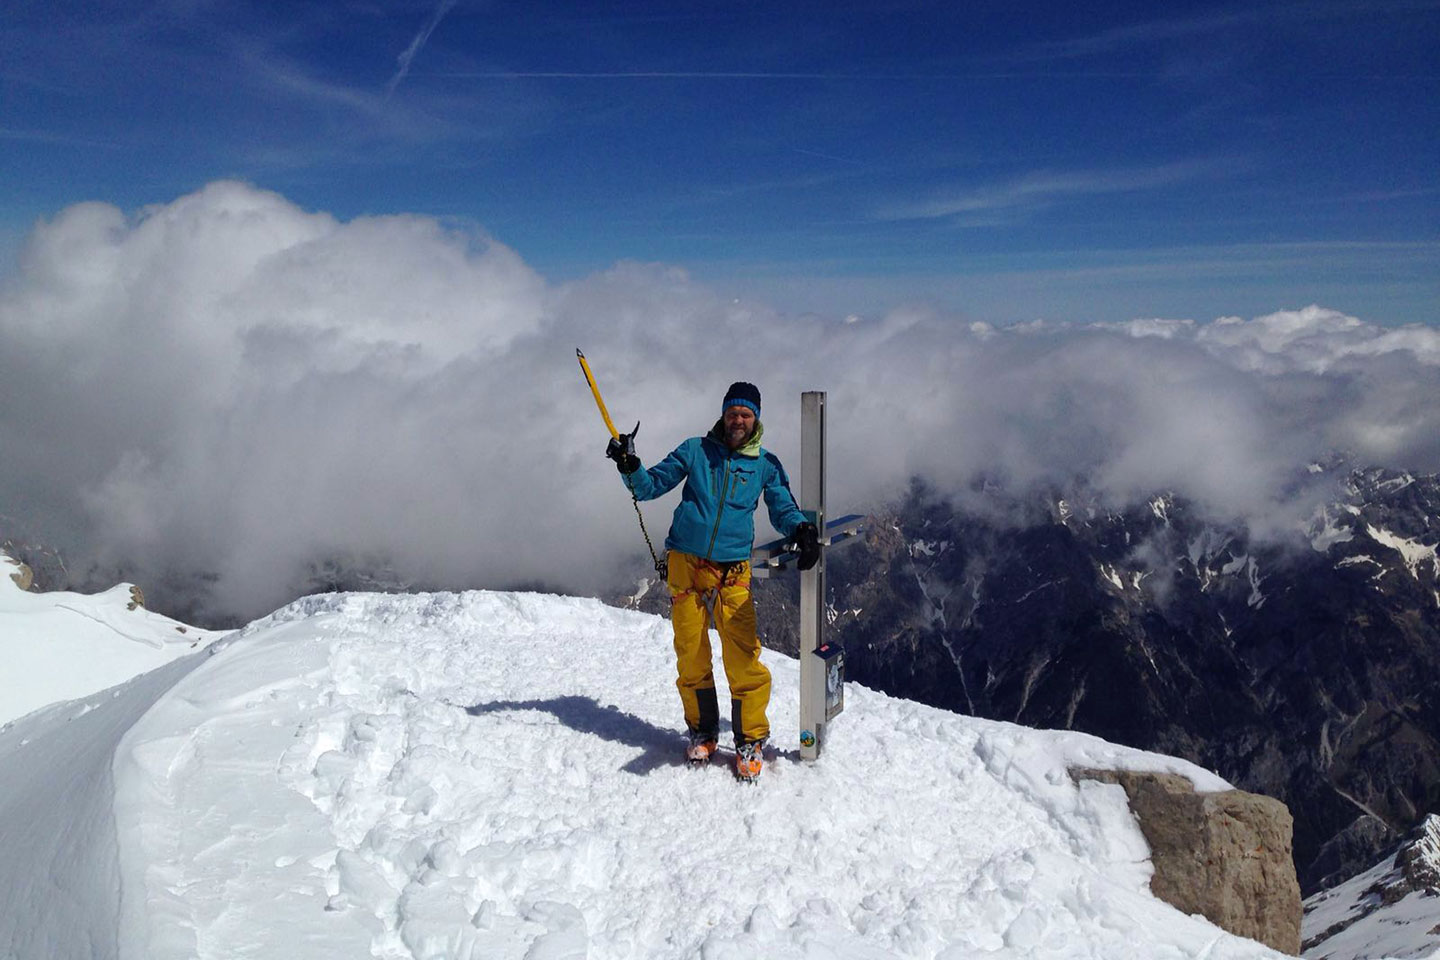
{"x": 498, "y": 775}
{"x": 1419, "y": 860}
{"x": 1392, "y": 910}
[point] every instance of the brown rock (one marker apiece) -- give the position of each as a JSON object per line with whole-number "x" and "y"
{"x": 23, "y": 578}
{"x": 1225, "y": 856}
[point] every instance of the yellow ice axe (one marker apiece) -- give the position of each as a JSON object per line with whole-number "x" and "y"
{"x": 661, "y": 567}
{"x": 599, "y": 402}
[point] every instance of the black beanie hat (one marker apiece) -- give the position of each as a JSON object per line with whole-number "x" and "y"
{"x": 742, "y": 394}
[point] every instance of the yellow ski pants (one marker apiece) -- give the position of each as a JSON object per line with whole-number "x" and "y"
{"x": 701, "y": 591}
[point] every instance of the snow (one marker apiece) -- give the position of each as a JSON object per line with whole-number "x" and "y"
{"x": 58, "y": 885}
{"x": 1325, "y": 530}
{"x": 1413, "y": 552}
{"x": 1395, "y": 484}
{"x": 1113, "y": 575}
{"x": 1256, "y": 598}
{"x": 1208, "y": 544}
{"x": 1408, "y": 928}
{"x": 495, "y": 774}
{"x": 934, "y": 611}
{"x": 61, "y": 646}
{"x": 1160, "y": 506}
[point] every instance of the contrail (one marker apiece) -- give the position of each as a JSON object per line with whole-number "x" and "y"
{"x": 408, "y": 56}
{"x": 737, "y": 75}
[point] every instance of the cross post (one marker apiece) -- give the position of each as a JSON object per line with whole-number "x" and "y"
{"x": 822, "y": 664}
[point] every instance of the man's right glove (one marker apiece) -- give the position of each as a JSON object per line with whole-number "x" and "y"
{"x": 807, "y": 538}
{"x": 621, "y": 449}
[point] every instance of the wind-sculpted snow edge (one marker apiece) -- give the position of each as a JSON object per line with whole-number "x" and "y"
{"x": 494, "y": 774}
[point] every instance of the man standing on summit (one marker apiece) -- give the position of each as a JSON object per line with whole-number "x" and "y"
{"x": 708, "y": 552}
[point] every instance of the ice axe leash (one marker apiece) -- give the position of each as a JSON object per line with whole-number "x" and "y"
{"x": 661, "y": 567}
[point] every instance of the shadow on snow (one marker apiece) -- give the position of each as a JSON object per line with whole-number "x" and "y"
{"x": 659, "y": 746}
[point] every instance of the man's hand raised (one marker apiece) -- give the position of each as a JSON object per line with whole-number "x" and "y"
{"x": 621, "y": 449}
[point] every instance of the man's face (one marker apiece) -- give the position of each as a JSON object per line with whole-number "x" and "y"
{"x": 739, "y": 424}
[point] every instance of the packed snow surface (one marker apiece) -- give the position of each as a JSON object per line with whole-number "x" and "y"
{"x": 61, "y": 646}
{"x": 498, "y": 775}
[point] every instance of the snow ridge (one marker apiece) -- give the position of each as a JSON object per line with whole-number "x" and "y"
{"x": 64, "y": 646}
{"x": 495, "y": 775}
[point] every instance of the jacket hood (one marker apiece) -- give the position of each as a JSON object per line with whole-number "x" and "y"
{"x": 751, "y": 447}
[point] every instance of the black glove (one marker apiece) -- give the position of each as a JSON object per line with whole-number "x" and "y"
{"x": 621, "y": 449}
{"x": 807, "y": 538}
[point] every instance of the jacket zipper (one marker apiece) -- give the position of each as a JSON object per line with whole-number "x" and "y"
{"x": 724, "y": 489}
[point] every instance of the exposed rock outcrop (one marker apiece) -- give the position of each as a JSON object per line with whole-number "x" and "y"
{"x": 1390, "y": 910}
{"x": 1419, "y": 859}
{"x": 22, "y": 576}
{"x": 1226, "y": 856}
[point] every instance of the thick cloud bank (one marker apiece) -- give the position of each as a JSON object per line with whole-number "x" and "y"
{"x": 231, "y": 386}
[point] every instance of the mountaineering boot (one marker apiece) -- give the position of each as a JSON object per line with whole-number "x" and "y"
{"x": 749, "y": 759}
{"x": 699, "y": 748}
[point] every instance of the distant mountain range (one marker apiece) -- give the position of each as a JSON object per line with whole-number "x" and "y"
{"x": 1302, "y": 669}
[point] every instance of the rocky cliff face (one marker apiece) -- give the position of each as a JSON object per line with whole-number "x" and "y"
{"x": 1391, "y": 910}
{"x": 1299, "y": 668}
{"x": 1225, "y": 856}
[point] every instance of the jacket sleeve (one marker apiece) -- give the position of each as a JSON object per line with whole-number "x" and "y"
{"x": 785, "y": 514}
{"x": 647, "y": 484}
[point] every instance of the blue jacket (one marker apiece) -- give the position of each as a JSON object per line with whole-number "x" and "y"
{"x": 716, "y": 516}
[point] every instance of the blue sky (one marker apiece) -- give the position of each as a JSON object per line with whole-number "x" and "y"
{"x": 1004, "y": 161}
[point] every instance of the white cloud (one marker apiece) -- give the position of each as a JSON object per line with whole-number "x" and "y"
{"x": 1315, "y": 339}
{"x": 232, "y": 385}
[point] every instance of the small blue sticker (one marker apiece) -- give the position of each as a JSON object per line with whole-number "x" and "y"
{"x": 807, "y": 739}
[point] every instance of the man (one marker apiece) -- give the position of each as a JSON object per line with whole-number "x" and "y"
{"x": 726, "y": 472}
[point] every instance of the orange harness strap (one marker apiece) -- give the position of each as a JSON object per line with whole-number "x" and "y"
{"x": 729, "y": 575}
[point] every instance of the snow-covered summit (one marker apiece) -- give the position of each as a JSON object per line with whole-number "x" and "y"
{"x": 62, "y": 645}
{"x": 496, "y": 774}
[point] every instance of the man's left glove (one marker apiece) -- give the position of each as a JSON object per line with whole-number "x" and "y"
{"x": 621, "y": 449}
{"x": 807, "y": 538}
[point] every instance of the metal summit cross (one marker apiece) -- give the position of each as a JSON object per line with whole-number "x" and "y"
{"x": 822, "y": 664}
